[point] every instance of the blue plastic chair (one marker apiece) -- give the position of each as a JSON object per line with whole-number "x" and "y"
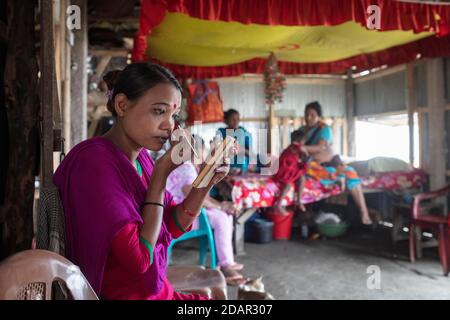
{"x": 206, "y": 237}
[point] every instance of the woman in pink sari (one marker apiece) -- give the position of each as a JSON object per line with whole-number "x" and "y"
{"x": 220, "y": 214}
{"x": 119, "y": 218}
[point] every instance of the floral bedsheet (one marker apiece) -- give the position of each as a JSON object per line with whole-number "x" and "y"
{"x": 255, "y": 191}
{"x": 395, "y": 180}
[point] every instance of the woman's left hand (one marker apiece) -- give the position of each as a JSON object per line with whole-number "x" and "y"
{"x": 222, "y": 170}
{"x": 220, "y": 173}
{"x": 229, "y": 208}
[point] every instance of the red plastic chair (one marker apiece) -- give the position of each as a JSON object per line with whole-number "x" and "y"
{"x": 439, "y": 225}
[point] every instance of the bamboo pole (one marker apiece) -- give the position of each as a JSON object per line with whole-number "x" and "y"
{"x": 350, "y": 115}
{"x": 285, "y": 135}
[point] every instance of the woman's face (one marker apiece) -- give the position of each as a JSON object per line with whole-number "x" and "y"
{"x": 233, "y": 121}
{"x": 149, "y": 121}
{"x": 311, "y": 117}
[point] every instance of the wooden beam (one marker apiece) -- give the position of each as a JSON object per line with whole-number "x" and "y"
{"x": 411, "y": 106}
{"x": 121, "y": 20}
{"x": 350, "y": 115}
{"x": 108, "y": 52}
{"x": 379, "y": 74}
{"x": 257, "y": 78}
{"x": 423, "y": 153}
{"x": 19, "y": 128}
{"x": 436, "y": 120}
{"x": 285, "y": 133}
{"x": 79, "y": 80}
{"x": 101, "y": 66}
{"x": 297, "y": 122}
{"x": 344, "y": 136}
{"x": 254, "y": 119}
{"x": 47, "y": 90}
{"x": 425, "y": 109}
{"x": 335, "y": 127}
{"x": 271, "y": 126}
{"x": 65, "y": 76}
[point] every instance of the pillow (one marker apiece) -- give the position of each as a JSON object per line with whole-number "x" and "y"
{"x": 386, "y": 164}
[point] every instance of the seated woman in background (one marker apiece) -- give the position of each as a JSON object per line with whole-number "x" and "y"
{"x": 119, "y": 218}
{"x": 240, "y": 162}
{"x": 324, "y": 165}
{"x": 220, "y": 214}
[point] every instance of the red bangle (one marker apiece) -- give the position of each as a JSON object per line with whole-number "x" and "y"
{"x": 189, "y": 212}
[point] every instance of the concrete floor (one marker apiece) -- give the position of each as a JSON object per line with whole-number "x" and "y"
{"x": 336, "y": 268}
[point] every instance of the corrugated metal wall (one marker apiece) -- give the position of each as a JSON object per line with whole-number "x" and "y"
{"x": 331, "y": 96}
{"x": 374, "y": 96}
{"x": 247, "y": 96}
{"x": 380, "y": 95}
{"x": 387, "y": 94}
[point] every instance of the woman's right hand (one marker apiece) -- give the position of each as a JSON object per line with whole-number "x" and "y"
{"x": 175, "y": 156}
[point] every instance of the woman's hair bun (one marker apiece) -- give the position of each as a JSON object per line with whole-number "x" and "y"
{"x": 111, "y": 78}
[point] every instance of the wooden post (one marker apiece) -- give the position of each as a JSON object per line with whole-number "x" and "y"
{"x": 101, "y": 66}
{"x": 79, "y": 78}
{"x": 21, "y": 105}
{"x": 423, "y": 156}
{"x": 65, "y": 99}
{"x": 411, "y": 106}
{"x": 47, "y": 90}
{"x": 350, "y": 115}
{"x": 436, "y": 120}
{"x": 285, "y": 135}
{"x": 271, "y": 124}
{"x": 335, "y": 126}
{"x": 297, "y": 123}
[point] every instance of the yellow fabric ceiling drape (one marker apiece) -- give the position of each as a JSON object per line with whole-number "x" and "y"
{"x": 184, "y": 40}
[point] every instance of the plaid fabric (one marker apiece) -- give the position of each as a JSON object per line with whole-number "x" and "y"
{"x": 50, "y": 223}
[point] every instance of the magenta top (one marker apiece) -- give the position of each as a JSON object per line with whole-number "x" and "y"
{"x": 101, "y": 193}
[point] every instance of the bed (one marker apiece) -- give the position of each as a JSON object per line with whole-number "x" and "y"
{"x": 252, "y": 191}
{"x": 257, "y": 191}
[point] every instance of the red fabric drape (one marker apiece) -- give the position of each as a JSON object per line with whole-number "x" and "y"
{"x": 417, "y": 17}
{"x": 400, "y": 15}
{"x": 152, "y": 13}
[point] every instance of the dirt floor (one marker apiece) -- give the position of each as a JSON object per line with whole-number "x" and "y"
{"x": 336, "y": 268}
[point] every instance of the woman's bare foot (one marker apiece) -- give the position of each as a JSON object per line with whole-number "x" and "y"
{"x": 236, "y": 266}
{"x": 366, "y": 220}
{"x": 301, "y": 206}
{"x": 233, "y": 277}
